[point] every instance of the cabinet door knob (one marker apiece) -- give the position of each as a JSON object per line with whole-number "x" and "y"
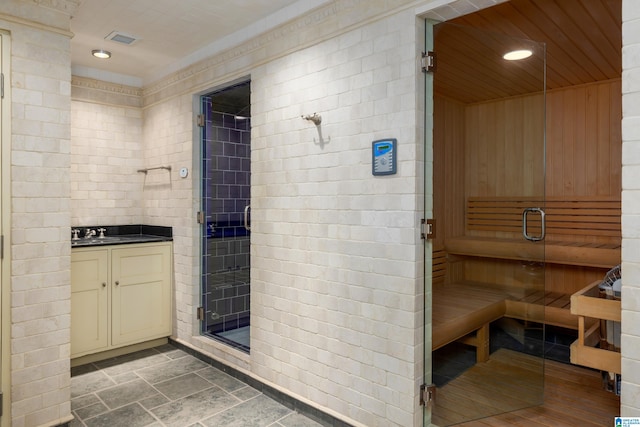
{"x": 104, "y": 284}
{"x": 117, "y": 282}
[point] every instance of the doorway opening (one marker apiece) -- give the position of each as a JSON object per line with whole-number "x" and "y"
{"x": 517, "y": 149}
{"x": 489, "y": 152}
{"x": 226, "y": 204}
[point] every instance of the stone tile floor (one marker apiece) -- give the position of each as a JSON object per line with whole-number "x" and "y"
{"x": 165, "y": 386}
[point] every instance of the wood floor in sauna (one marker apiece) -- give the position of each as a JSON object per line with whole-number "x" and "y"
{"x": 573, "y": 396}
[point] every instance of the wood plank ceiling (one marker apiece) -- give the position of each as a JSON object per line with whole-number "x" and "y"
{"x": 582, "y": 38}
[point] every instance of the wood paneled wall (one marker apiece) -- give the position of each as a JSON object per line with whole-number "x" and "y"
{"x": 495, "y": 149}
{"x": 448, "y": 169}
{"x": 504, "y": 147}
{"x": 584, "y": 141}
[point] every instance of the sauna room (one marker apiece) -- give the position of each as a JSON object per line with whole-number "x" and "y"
{"x": 527, "y": 187}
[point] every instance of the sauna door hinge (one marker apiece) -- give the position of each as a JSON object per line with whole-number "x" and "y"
{"x": 428, "y": 62}
{"x": 1, "y": 403}
{"x": 200, "y": 217}
{"x": 200, "y": 313}
{"x": 2, "y": 85}
{"x": 200, "y": 120}
{"x": 427, "y": 395}
{"x": 1, "y": 256}
{"x": 427, "y": 228}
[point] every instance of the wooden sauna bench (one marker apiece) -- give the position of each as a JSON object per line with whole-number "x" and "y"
{"x": 464, "y": 312}
{"x": 583, "y": 232}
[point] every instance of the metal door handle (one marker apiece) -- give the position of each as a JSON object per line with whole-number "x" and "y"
{"x": 246, "y": 217}
{"x": 525, "y": 233}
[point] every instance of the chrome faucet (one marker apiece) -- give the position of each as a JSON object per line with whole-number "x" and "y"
{"x": 75, "y": 232}
{"x": 88, "y": 233}
{"x": 101, "y": 231}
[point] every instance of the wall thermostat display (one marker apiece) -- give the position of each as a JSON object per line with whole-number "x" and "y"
{"x": 384, "y": 156}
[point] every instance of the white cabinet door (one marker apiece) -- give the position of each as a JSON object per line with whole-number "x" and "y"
{"x": 89, "y": 302}
{"x": 141, "y": 293}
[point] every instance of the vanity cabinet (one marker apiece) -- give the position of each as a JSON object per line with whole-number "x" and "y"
{"x": 89, "y": 301}
{"x": 120, "y": 295}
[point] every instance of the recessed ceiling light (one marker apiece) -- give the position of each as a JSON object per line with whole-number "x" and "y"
{"x": 517, "y": 55}
{"x": 101, "y": 53}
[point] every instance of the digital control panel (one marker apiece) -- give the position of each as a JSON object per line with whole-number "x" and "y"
{"x": 384, "y": 156}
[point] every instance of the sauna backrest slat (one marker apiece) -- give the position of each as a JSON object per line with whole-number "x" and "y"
{"x": 574, "y": 216}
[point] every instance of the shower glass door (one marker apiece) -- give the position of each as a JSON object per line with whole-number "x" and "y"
{"x": 226, "y": 203}
{"x": 488, "y": 168}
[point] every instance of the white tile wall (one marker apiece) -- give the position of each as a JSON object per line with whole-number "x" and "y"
{"x": 170, "y": 201}
{"x": 40, "y": 216}
{"x": 630, "y": 399}
{"x": 336, "y": 272}
{"x": 106, "y": 153}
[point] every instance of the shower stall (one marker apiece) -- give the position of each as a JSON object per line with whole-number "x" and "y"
{"x": 226, "y": 204}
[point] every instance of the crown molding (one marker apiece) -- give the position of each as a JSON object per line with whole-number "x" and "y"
{"x": 35, "y": 25}
{"x": 283, "y": 32}
{"x": 316, "y": 26}
{"x": 120, "y": 89}
{"x": 67, "y": 6}
{"x": 24, "y": 12}
{"x": 101, "y": 92}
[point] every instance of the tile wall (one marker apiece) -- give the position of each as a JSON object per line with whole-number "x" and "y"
{"x": 37, "y": 80}
{"x": 227, "y": 191}
{"x": 336, "y": 263}
{"x": 106, "y": 152}
{"x": 630, "y": 398}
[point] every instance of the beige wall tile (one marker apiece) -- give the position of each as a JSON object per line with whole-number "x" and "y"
{"x": 630, "y": 405}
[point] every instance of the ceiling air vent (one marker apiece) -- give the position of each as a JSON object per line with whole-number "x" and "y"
{"x": 123, "y": 38}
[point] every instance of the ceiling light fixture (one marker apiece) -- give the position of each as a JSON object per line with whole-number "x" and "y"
{"x": 101, "y": 53}
{"x": 517, "y": 55}
{"x": 239, "y": 116}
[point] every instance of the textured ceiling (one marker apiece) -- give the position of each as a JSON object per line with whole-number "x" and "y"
{"x": 170, "y": 31}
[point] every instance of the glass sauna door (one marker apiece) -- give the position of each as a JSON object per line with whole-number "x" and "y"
{"x": 226, "y": 203}
{"x": 488, "y": 201}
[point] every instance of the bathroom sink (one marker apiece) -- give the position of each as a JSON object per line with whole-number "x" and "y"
{"x": 116, "y": 240}
{"x": 97, "y": 241}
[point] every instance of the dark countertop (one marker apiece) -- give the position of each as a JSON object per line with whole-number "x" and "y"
{"x": 122, "y": 235}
